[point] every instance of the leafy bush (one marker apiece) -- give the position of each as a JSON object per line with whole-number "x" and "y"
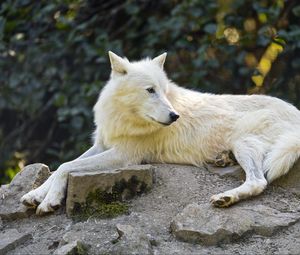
{"x": 53, "y": 60}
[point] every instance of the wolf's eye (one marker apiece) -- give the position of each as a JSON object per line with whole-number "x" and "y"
{"x": 151, "y": 90}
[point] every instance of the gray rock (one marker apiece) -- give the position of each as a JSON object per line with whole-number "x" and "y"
{"x": 27, "y": 179}
{"x": 70, "y": 237}
{"x": 209, "y": 226}
{"x": 73, "y": 248}
{"x": 86, "y": 189}
{"x": 4, "y": 186}
{"x": 290, "y": 181}
{"x": 11, "y": 238}
{"x": 131, "y": 241}
{"x": 33, "y": 175}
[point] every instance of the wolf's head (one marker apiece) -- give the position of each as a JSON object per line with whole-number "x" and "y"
{"x": 141, "y": 89}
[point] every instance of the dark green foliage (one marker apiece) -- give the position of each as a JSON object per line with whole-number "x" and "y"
{"x": 53, "y": 61}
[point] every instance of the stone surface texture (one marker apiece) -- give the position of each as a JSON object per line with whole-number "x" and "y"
{"x": 200, "y": 223}
{"x": 11, "y": 238}
{"x": 29, "y": 178}
{"x": 130, "y": 240}
{"x": 73, "y": 248}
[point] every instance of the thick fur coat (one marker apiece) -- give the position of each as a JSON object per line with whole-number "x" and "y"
{"x": 141, "y": 116}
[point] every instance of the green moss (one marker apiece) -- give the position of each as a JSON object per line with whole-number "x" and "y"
{"x": 95, "y": 206}
{"x": 81, "y": 249}
{"x": 109, "y": 204}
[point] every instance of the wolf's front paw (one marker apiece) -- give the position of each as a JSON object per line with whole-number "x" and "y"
{"x": 45, "y": 208}
{"x": 222, "y": 200}
{"x": 32, "y": 198}
{"x": 51, "y": 203}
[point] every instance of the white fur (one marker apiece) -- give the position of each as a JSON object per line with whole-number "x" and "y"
{"x": 134, "y": 126}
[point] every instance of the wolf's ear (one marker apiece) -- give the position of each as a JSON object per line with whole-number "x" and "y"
{"x": 117, "y": 63}
{"x": 160, "y": 60}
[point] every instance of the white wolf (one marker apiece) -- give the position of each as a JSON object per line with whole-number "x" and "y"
{"x": 141, "y": 116}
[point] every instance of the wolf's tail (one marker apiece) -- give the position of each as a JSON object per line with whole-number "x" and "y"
{"x": 283, "y": 156}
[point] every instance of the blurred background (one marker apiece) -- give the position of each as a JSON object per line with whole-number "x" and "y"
{"x": 53, "y": 61}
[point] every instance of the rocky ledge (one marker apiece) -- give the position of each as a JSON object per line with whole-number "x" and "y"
{"x": 159, "y": 209}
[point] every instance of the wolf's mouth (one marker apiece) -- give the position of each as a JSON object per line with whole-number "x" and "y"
{"x": 165, "y": 124}
{"x": 162, "y": 123}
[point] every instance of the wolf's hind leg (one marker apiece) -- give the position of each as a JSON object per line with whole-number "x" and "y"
{"x": 249, "y": 153}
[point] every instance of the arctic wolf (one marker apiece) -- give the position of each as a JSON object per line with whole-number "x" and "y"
{"x": 141, "y": 116}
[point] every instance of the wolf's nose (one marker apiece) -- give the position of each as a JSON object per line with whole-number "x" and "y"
{"x": 174, "y": 116}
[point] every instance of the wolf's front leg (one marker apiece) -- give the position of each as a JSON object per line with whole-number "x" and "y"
{"x": 36, "y": 196}
{"x": 109, "y": 159}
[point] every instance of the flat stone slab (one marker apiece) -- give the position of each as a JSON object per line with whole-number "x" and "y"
{"x": 11, "y": 238}
{"x": 109, "y": 188}
{"x": 30, "y": 177}
{"x": 201, "y": 223}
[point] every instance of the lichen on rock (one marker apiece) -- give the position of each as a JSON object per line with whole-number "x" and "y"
{"x": 100, "y": 204}
{"x": 109, "y": 201}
